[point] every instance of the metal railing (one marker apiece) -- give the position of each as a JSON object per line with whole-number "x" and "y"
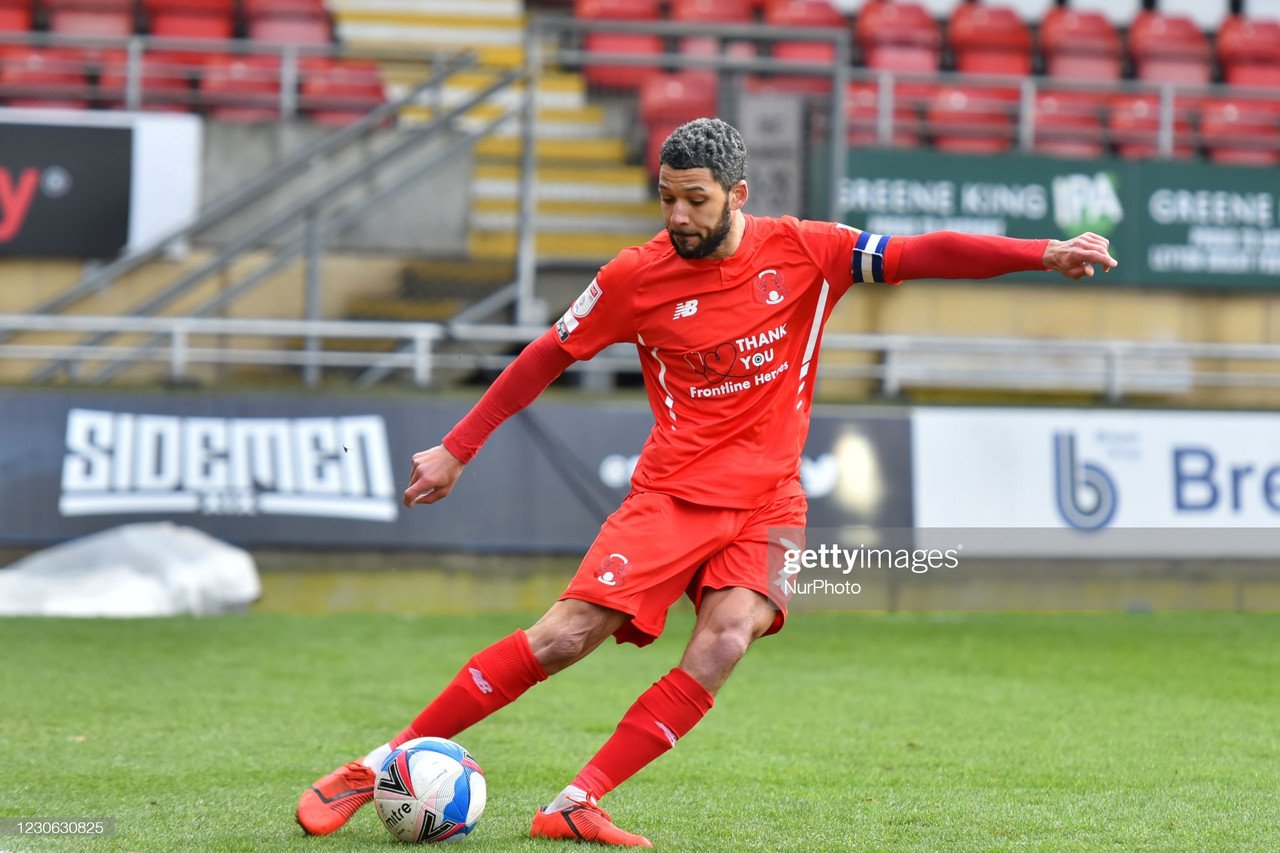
{"x": 314, "y": 214}
{"x": 1115, "y": 369}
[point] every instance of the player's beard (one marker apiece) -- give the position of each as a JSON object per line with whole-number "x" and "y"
{"x": 709, "y": 243}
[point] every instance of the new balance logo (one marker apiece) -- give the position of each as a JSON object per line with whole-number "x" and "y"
{"x": 481, "y": 683}
{"x": 685, "y": 309}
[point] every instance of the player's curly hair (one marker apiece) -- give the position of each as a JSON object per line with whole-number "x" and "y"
{"x": 707, "y": 143}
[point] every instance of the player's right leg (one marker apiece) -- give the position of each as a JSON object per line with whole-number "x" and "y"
{"x": 492, "y": 679}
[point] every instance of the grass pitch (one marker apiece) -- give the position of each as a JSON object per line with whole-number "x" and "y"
{"x": 846, "y": 732}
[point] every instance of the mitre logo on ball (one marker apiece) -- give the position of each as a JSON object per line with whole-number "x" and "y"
{"x": 770, "y": 288}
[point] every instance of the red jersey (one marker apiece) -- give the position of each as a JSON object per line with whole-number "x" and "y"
{"x": 728, "y": 348}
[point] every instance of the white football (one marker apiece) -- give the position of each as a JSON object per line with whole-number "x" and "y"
{"x": 429, "y": 789}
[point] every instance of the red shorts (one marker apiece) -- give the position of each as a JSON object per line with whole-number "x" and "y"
{"x": 655, "y": 547}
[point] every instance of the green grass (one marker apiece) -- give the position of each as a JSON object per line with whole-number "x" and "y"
{"x": 947, "y": 732}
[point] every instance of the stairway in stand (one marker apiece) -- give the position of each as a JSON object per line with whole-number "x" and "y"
{"x": 591, "y": 201}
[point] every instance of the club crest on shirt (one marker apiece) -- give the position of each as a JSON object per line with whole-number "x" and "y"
{"x": 770, "y": 287}
{"x": 613, "y": 569}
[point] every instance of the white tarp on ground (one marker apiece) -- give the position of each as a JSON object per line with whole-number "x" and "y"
{"x": 154, "y": 569}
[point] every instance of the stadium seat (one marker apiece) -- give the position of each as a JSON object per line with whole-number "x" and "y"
{"x": 191, "y": 19}
{"x": 711, "y": 11}
{"x": 1133, "y": 125}
{"x": 1249, "y": 52}
{"x": 166, "y": 83}
{"x": 339, "y": 92}
{"x": 667, "y": 101}
{"x": 91, "y": 17}
{"x": 48, "y": 77}
{"x": 15, "y": 17}
{"x": 862, "y": 116}
{"x": 241, "y": 88}
{"x": 1169, "y": 49}
{"x": 965, "y": 120}
{"x": 290, "y": 28}
{"x": 898, "y": 37}
{"x": 627, "y": 77}
{"x": 617, "y": 10}
{"x": 1240, "y": 133}
{"x": 989, "y": 40}
{"x": 1080, "y": 45}
{"x": 803, "y": 13}
{"x": 1067, "y": 126}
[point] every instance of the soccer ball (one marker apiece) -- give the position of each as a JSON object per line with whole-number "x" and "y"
{"x": 429, "y": 789}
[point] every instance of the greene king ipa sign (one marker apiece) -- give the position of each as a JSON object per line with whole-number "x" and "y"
{"x": 1170, "y": 224}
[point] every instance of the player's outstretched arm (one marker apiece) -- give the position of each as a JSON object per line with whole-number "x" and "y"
{"x": 1075, "y": 258}
{"x": 948, "y": 254}
{"x": 435, "y": 471}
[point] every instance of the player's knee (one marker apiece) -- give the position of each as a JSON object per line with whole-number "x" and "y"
{"x": 726, "y": 643}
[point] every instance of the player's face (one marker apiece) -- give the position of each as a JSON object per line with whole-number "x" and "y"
{"x": 696, "y": 210}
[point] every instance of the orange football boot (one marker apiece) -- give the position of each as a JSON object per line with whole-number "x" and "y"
{"x": 583, "y": 821}
{"x": 328, "y": 804}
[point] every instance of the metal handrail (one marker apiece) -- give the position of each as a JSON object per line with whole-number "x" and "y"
{"x": 306, "y": 208}
{"x": 1121, "y": 364}
{"x": 226, "y": 206}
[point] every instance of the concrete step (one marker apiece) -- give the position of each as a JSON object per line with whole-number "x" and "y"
{"x": 621, "y": 184}
{"x": 566, "y": 215}
{"x": 590, "y": 247}
{"x": 597, "y": 152}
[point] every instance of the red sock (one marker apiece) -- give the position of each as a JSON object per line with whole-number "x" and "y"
{"x": 665, "y": 712}
{"x": 492, "y": 679}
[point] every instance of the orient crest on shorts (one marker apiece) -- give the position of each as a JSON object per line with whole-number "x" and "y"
{"x": 770, "y": 287}
{"x": 613, "y": 570}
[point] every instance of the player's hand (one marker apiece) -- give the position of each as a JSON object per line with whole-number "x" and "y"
{"x": 434, "y": 474}
{"x": 1075, "y": 258}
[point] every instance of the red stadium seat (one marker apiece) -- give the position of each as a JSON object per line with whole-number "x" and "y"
{"x": 863, "y": 113}
{"x": 192, "y": 25}
{"x": 989, "y": 40}
{"x": 71, "y": 20}
{"x": 1067, "y": 126}
{"x": 712, "y": 11}
{"x": 291, "y": 28}
{"x": 668, "y": 101}
{"x": 1134, "y": 127}
{"x": 49, "y": 77}
{"x": 166, "y": 84}
{"x": 1080, "y": 45}
{"x": 1169, "y": 49}
{"x": 970, "y": 121}
{"x": 1249, "y": 52}
{"x": 245, "y": 89}
{"x": 15, "y": 17}
{"x": 254, "y": 8}
{"x": 338, "y": 92}
{"x": 674, "y": 98}
{"x": 1241, "y": 133}
{"x": 804, "y": 13}
{"x": 898, "y": 37}
{"x": 628, "y": 77}
{"x": 617, "y": 10}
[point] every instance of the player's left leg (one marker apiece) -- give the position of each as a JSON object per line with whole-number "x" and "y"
{"x": 729, "y": 621}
